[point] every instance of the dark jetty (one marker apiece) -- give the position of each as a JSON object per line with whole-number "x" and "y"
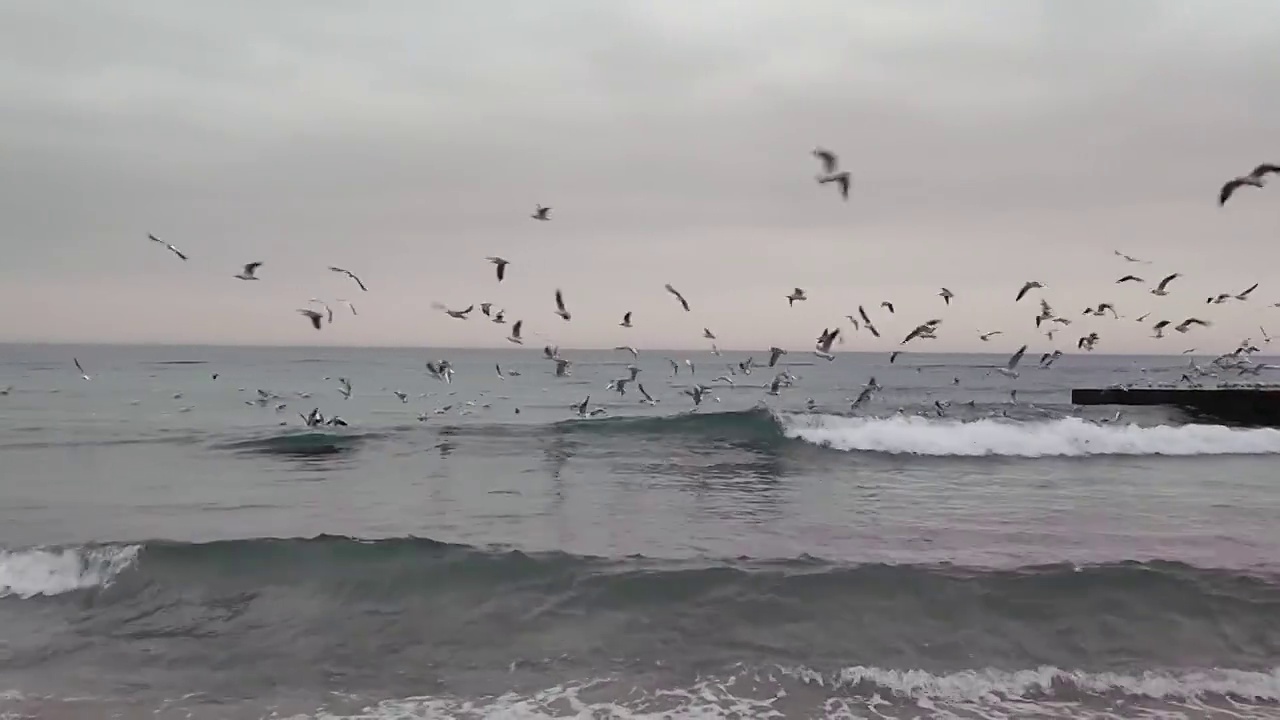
{"x": 1255, "y": 407}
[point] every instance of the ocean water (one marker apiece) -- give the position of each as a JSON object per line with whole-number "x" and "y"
{"x": 172, "y": 548}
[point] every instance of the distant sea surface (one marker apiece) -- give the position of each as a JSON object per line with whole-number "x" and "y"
{"x": 170, "y": 547}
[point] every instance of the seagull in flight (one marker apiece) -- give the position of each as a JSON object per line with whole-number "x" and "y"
{"x": 1257, "y": 179}
{"x": 515, "y": 333}
{"x": 560, "y": 309}
{"x": 888, "y": 306}
{"x": 946, "y": 295}
{"x": 249, "y": 270}
{"x": 314, "y": 316}
{"x": 626, "y": 320}
{"x": 984, "y": 337}
{"x": 1130, "y": 278}
{"x": 707, "y": 334}
{"x": 841, "y": 179}
{"x": 1160, "y": 289}
{"x": 1185, "y": 325}
{"x": 459, "y": 314}
{"x": 541, "y": 213}
{"x": 172, "y": 249}
{"x": 1028, "y": 286}
{"x": 775, "y": 353}
{"x": 351, "y": 275}
{"x": 683, "y": 303}
{"x": 349, "y": 305}
{"x": 796, "y": 294}
{"x": 1009, "y": 370}
{"x": 1130, "y": 258}
{"x": 1245, "y": 295}
{"x": 829, "y": 160}
{"x": 502, "y": 266}
{"x": 83, "y": 374}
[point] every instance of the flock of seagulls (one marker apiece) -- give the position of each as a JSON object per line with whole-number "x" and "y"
{"x": 1046, "y": 320}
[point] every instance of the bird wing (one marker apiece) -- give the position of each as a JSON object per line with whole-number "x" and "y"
{"x": 1166, "y": 281}
{"x": 250, "y": 267}
{"x": 1016, "y": 358}
{"x": 1263, "y": 169}
{"x": 559, "y": 301}
{"x": 1251, "y": 289}
{"x": 1227, "y": 189}
{"x": 515, "y": 329}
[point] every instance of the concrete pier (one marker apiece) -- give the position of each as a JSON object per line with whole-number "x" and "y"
{"x": 1233, "y": 406}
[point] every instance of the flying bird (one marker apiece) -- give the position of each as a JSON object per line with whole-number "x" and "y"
{"x": 502, "y": 266}
{"x": 351, "y": 275}
{"x": 459, "y": 314}
{"x": 1028, "y": 286}
{"x": 515, "y": 333}
{"x": 984, "y": 337}
{"x": 683, "y": 303}
{"x": 1185, "y": 325}
{"x": 1160, "y": 289}
{"x": 626, "y": 320}
{"x": 541, "y": 213}
{"x": 946, "y": 295}
{"x": 249, "y": 270}
{"x": 1009, "y": 370}
{"x": 1257, "y": 178}
{"x": 172, "y": 249}
{"x": 314, "y": 316}
{"x": 828, "y": 158}
{"x": 706, "y": 333}
{"x": 1245, "y": 295}
{"x": 1130, "y": 278}
{"x": 83, "y": 374}
{"x": 888, "y": 306}
{"x": 560, "y": 309}
{"x": 841, "y": 179}
{"x": 797, "y": 294}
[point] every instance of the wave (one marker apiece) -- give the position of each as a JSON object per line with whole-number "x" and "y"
{"x": 299, "y": 443}
{"x": 54, "y": 571}
{"x": 1065, "y": 437}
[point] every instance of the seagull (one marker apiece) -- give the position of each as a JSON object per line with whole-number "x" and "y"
{"x": 1160, "y": 289}
{"x": 562, "y": 367}
{"x": 541, "y": 213}
{"x": 313, "y": 316}
{"x": 349, "y": 305}
{"x": 83, "y": 374}
{"x": 984, "y": 337}
{"x": 500, "y": 317}
{"x": 841, "y": 179}
{"x": 1029, "y": 285}
{"x": 1254, "y": 179}
{"x": 797, "y": 294}
{"x": 1087, "y": 342}
{"x": 1159, "y": 328}
{"x": 459, "y": 314}
{"x": 626, "y": 320}
{"x": 1009, "y": 369}
{"x": 1185, "y": 325}
{"x": 515, "y": 333}
{"x": 560, "y": 305}
{"x": 502, "y": 266}
{"x": 683, "y": 303}
{"x": 486, "y": 309}
{"x": 172, "y": 249}
{"x": 828, "y": 158}
{"x": 946, "y": 295}
{"x": 351, "y": 275}
{"x": 924, "y": 332}
{"x": 827, "y": 337}
{"x": 888, "y": 306}
{"x": 1130, "y": 278}
{"x": 648, "y": 399}
{"x": 249, "y": 270}
{"x": 403, "y": 397}
{"x": 1265, "y": 337}
{"x": 774, "y": 354}
{"x": 1128, "y": 258}
{"x": 706, "y": 333}
{"x": 628, "y": 348}
{"x": 1245, "y": 295}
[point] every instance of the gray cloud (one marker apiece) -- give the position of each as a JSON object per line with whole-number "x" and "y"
{"x": 991, "y": 143}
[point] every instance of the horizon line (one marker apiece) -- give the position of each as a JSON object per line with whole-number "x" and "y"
{"x": 254, "y": 346}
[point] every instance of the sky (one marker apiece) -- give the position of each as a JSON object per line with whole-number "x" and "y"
{"x": 990, "y": 143}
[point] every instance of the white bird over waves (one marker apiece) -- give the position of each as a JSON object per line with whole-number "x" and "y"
{"x": 683, "y": 303}
{"x": 1009, "y": 370}
{"x": 796, "y": 294}
{"x": 83, "y": 374}
{"x": 313, "y": 316}
{"x": 249, "y": 270}
{"x": 172, "y": 249}
{"x": 825, "y": 340}
{"x": 560, "y": 309}
{"x": 541, "y": 213}
{"x": 1027, "y": 287}
{"x": 1160, "y": 289}
{"x": 351, "y": 275}
{"x": 648, "y": 399}
{"x": 946, "y": 295}
{"x": 1257, "y": 178}
{"x": 626, "y": 320}
{"x": 775, "y": 353}
{"x": 501, "y": 266}
{"x": 515, "y": 333}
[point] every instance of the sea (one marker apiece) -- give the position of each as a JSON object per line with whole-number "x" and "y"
{"x": 177, "y": 543}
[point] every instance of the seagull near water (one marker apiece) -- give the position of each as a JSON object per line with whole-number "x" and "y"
{"x": 351, "y": 275}
{"x": 83, "y": 374}
{"x": 313, "y": 316}
{"x": 249, "y": 270}
{"x": 683, "y": 303}
{"x": 560, "y": 309}
{"x": 515, "y": 333}
{"x": 796, "y": 294}
{"x": 459, "y": 314}
{"x": 1009, "y": 370}
{"x": 172, "y": 249}
{"x": 626, "y": 320}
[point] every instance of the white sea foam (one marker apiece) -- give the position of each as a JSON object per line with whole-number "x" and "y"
{"x": 1070, "y": 437}
{"x": 869, "y": 692}
{"x": 53, "y": 571}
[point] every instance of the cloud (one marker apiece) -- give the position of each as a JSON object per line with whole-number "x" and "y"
{"x": 991, "y": 143}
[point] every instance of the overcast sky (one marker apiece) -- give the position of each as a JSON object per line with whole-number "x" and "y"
{"x": 990, "y": 143}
